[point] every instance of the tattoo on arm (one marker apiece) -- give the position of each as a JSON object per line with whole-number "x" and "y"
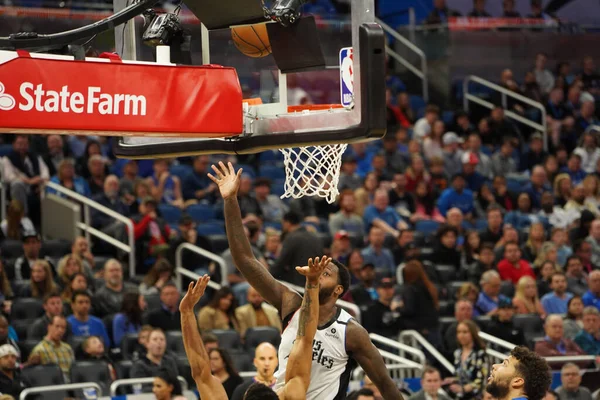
{"x": 304, "y": 316}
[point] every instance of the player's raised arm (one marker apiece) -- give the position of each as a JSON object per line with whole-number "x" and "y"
{"x": 255, "y": 273}
{"x": 208, "y": 386}
{"x": 297, "y": 373}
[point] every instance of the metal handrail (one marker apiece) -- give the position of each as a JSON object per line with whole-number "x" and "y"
{"x": 569, "y": 358}
{"x": 401, "y": 360}
{"x": 420, "y": 73}
{"x": 56, "y": 388}
{"x": 88, "y": 229}
{"x": 496, "y": 354}
{"x": 205, "y": 253}
{"x": 505, "y": 92}
{"x": 418, "y": 338}
{"x": 497, "y": 341}
{"x": 133, "y": 381}
{"x": 399, "y": 346}
{"x": 358, "y": 371}
{"x": 247, "y": 374}
{"x": 342, "y": 303}
{"x": 180, "y": 271}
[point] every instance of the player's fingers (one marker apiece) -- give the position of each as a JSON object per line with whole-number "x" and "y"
{"x": 190, "y": 287}
{"x": 231, "y": 169}
{"x": 212, "y": 178}
{"x": 223, "y": 168}
{"x": 239, "y": 173}
{"x": 310, "y": 262}
{"x": 217, "y": 171}
{"x": 302, "y": 270}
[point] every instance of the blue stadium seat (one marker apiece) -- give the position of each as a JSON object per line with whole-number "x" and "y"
{"x": 417, "y": 103}
{"x": 448, "y": 118}
{"x": 45, "y": 375}
{"x": 181, "y": 170}
{"x": 211, "y": 228}
{"x": 427, "y": 227}
{"x": 91, "y": 371}
{"x": 170, "y": 213}
{"x": 272, "y": 172}
{"x": 278, "y": 187}
{"x": 481, "y": 224}
{"x": 274, "y": 225}
{"x": 273, "y": 156}
{"x": 5, "y": 149}
{"x": 514, "y": 185}
{"x": 248, "y": 169}
{"x": 201, "y": 212}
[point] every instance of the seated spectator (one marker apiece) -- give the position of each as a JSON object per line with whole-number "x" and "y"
{"x": 577, "y": 280}
{"x": 526, "y": 300}
{"x": 547, "y": 252}
{"x": 484, "y": 163}
{"x": 52, "y": 349}
{"x": 11, "y": 381}
{"x": 84, "y": 324}
{"x": 394, "y": 160}
{"x": 531, "y": 88}
{"x": 248, "y": 204}
{"x": 109, "y": 198}
{"x": 6, "y": 292}
{"x": 513, "y": 267}
{"x": 432, "y": 143}
{"x": 220, "y": 312}
{"x": 41, "y": 281}
{"x": 463, "y": 310}
{"x": 16, "y": 223}
{"x": 579, "y": 203}
{"x": 108, "y": 298}
{"x": 573, "y": 320}
{"x": 52, "y": 306}
{"x": 256, "y": 313}
{"x": 563, "y": 186}
{"x": 537, "y": 186}
{"x": 457, "y": 196}
{"x": 167, "y": 317}
{"x": 535, "y": 241}
{"x": 32, "y": 244}
{"x": 589, "y": 337}
{"x": 439, "y": 176}
{"x": 24, "y": 171}
{"x": 382, "y": 216}
{"x": 265, "y": 361}
{"x": 161, "y": 272}
{"x": 503, "y": 198}
{"x": 587, "y": 116}
{"x": 543, "y": 76}
{"x": 364, "y": 195}
{"x": 150, "y": 364}
{"x": 164, "y": 187}
{"x": 92, "y": 148}
{"x": 563, "y": 250}
{"x": 424, "y": 125}
{"x": 444, "y": 250}
{"x": 490, "y": 296}
{"x": 556, "y": 301}
{"x": 375, "y": 253}
{"x": 271, "y": 206}
{"x": 555, "y": 108}
{"x": 479, "y": 10}
{"x": 571, "y": 389}
{"x": 346, "y": 219}
{"x": 379, "y": 167}
{"x": 582, "y": 231}
{"x": 589, "y": 152}
{"x": 523, "y": 216}
{"x": 440, "y": 15}
{"x": 472, "y": 245}
{"x": 341, "y": 247}
{"x": 92, "y": 349}
{"x": 166, "y": 386}
{"x": 381, "y": 318}
{"x": 473, "y": 272}
{"x": 140, "y": 348}
{"x": 197, "y": 186}
{"x": 502, "y": 161}
{"x": 574, "y": 170}
{"x": 7, "y": 338}
{"x": 417, "y": 171}
{"x": 502, "y": 327}
{"x": 223, "y": 369}
{"x": 78, "y": 281}
{"x": 66, "y": 177}
{"x": 151, "y": 232}
{"x": 128, "y": 182}
{"x": 554, "y": 343}
{"x": 431, "y": 386}
{"x": 591, "y": 188}
{"x": 470, "y": 362}
{"x": 129, "y": 320}
{"x": 81, "y": 249}
{"x": 98, "y": 172}
{"x": 57, "y": 151}
{"x": 592, "y": 296}
{"x": 468, "y": 291}
{"x": 452, "y": 153}
{"x": 272, "y": 248}
{"x": 68, "y": 266}
{"x": 546, "y": 271}
{"x": 419, "y": 305}
{"x": 349, "y": 179}
{"x": 425, "y": 207}
{"x": 363, "y": 293}
{"x": 594, "y": 240}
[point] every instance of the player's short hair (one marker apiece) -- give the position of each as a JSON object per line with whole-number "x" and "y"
{"x": 534, "y": 370}
{"x": 258, "y": 391}
{"x": 429, "y": 370}
{"x": 343, "y": 275}
{"x": 362, "y": 392}
{"x": 293, "y": 217}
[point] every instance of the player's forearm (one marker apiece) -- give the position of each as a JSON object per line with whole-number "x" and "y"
{"x": 238, "y": 242}
{"x": 309, "y": 312}
{"x": 193, "y": 344}
{"x": 389, "y": 390}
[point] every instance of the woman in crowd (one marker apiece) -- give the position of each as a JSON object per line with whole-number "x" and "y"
{"x": 166, "y": 386}
{"x": 468, "y": 291}
{"x": 573, "y": 321}
{"x": 432, "y": 144}
{"x": 470, "y": 362}
{"x": 444, "y": 249}
{"x": 365, "y": 194}
{"x": 547, "y": 252}
{"x": 471, "y": 248}
{"x": 220, "y": 312}
{"x": 68, "y": 266}
{"x": 420, "y": 303}
{"x": 66, "y": 177}
{"x": 425, "y": 208}
{"x": 501, "y": 194}
{"x": 526, "y": 300}
{"x": 545, "y": 272}
{"x": 77, "y": 281}
{"x": 591, "y": 189}
{"x": 416, "y": 173}
{"x": 223, "y": 369}
{"x": 534, "y": 243}
{"x": 355, "y": 264}
{"x": 16, "y": 223}
{"x": 91, "y": 149}
{"x": 164, "y": 187}
{"x": 161, "y": 272}
{"x": 41, "y": 282}
{"x": 562, "y": 189}
{"x": 129, "y": 320}
{"x": 6, "y": 292}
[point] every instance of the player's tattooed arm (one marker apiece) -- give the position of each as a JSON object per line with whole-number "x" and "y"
{"x": 255, "y": 273}
{"x": 366, "y": 354}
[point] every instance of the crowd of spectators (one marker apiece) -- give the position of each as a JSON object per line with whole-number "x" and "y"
{"x": 448, "y": 228}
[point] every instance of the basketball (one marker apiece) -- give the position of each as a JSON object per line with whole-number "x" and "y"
{"x": 252, "y": 40}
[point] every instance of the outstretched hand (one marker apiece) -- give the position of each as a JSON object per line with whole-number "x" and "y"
{"x": 227, "y": 179}
{"x": 315, "y": 268}
{"x": 194, "y": 293}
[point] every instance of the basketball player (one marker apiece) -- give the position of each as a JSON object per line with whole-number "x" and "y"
{"x": 338, "y": 335}
{"x": 523, "y": 375}
{"x": 297, "y": 376}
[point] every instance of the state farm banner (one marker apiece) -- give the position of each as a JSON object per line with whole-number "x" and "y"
{"x": 45, "y": 93}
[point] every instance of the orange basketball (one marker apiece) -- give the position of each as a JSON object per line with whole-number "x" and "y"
{"x": 252, "y": 40}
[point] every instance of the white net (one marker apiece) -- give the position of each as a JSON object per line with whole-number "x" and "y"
{"x": 313, "y": 171}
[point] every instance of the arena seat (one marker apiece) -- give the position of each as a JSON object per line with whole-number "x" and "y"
{"x": 228, "y": 338}
{"x": 56, "y": 248}
{"x": 242, "y": 360}
{"x": 453, "y": 288}
{"x": 261, "y": 334}
{"x": 26, "y": 346}
{"x": 170, "y": 213}
{"x": 446, "y": 273}
{"x": 531, "y": 324}
{"x": 26, "y": 309}
{"x": 175, "y": 342}
{"x": 482, "y": 321}
{"x": 76, "y": 341}
{"x": 273, "y": 172}
{"x": 122, "y": 369}
{"x": 445, "y": 323}
{"x": 427, "y": 227}
{"x": 201, "y": 213}
{"x": 128, "y": 345}
{"x": 248, "y": 170}
{"x": 211, "y": 228}
{"x": 91, "y": 371}
{"x": 45, "y": 375}
{"x": 183, "y": 367}
{"x": 11, "y": 248}
{"x": 181, "y": 170}
{"x": 108, "y": 324}
{"x": 21, "y": 326}
{"x": 152, "y": 301}
{"x": 507, "y": 288}
{"x": 218, "y": 243}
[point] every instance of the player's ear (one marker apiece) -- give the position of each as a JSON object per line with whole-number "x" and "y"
{"x": 517, "y": 382}
{"x": 339, "y": 289}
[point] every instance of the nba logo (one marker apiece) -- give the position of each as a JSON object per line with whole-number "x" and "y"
{"x": 347, "y": 77}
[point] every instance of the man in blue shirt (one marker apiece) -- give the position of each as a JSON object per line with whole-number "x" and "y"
{"x": 556, "y": 301}
{"x": 381, "y": 215}
{"x": 457, "y": 196}
{"x": 537, "y": 186}
{"x": 376, "y": 254}
{"x": 197, "y": 185}
{"x": 82, "y": 323}
{"x": 489, "y": 297}
{"x": 592, "y": 296}
{"x": 589, "y": 337}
